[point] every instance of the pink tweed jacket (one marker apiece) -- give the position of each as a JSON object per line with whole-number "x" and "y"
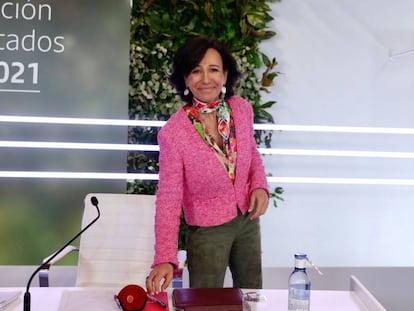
{"x": 192, "y": 178}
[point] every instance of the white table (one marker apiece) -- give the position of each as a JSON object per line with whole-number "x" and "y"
{"x": 101, "y": 299}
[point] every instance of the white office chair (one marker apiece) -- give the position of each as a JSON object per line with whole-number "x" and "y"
{"x": 119, "y": 248}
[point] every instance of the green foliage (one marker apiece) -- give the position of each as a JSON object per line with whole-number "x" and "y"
{"x": 158, "y": 28}
{"x": 277, "y": 195}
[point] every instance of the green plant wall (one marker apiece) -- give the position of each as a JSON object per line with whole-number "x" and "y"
{"x": 158, "y": 28}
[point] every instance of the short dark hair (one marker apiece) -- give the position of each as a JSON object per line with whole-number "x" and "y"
{"x": 189, "y": 55}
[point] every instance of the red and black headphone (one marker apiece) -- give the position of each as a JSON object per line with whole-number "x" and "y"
{"x": 134, "y": 298}
{"x": 131, "y": 298}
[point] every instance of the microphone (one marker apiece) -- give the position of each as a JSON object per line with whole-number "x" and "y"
{"x": 26, "y": 299}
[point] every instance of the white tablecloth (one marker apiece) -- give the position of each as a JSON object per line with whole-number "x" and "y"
{"x": 101, "y": 299}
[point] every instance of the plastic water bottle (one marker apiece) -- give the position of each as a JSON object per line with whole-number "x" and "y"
{"x": 299, "y": 286}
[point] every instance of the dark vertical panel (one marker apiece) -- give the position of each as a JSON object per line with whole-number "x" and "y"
{"x": 74, "y": 60}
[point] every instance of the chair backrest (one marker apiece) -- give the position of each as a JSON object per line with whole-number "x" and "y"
{"x": 119, "y": 248}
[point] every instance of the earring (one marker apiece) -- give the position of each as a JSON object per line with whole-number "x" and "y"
{"x": 186, "y": 91}
{"x": 223, "y": 91}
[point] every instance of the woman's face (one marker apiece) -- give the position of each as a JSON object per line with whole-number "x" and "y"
{"x": 207, "y": 78}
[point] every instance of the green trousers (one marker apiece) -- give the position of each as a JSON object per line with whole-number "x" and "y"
{"x": 235, "y": 244}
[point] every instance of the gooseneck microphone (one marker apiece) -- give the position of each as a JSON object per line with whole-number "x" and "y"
{"x": 26, "y": 299}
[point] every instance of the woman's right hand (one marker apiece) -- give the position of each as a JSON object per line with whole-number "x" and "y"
{"x": 159, "y": 278}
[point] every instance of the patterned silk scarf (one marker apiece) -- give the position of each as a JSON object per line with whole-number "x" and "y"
{"x": 223, "y": 115}
{"x": 227, "y": 154}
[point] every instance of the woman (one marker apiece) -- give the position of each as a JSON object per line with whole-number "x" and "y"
{"x": 210, "y": 168}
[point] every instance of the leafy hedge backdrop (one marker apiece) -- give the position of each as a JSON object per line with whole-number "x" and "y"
{"x": 158, "y": 28}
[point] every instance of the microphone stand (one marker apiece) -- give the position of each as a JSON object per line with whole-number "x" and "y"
{"x": 26, "y": 299}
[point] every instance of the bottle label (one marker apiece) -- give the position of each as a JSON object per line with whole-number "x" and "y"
{"x": 298, "y": 299}
{"x": 298, "y": 305}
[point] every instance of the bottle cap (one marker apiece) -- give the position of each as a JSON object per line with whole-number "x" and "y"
{"x": 301, "y": 256}
{"x": 300, "y": 262}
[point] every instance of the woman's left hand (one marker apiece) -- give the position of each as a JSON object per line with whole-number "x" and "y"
{"x": 259, "y": 201}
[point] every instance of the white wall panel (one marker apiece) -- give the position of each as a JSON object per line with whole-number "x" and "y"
{"x": 343, "y": 63}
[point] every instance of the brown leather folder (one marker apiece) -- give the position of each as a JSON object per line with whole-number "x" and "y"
{"x": 207, "y": 299}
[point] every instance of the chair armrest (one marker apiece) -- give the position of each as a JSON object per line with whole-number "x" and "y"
{"x": 44, "y": 273}
{"x": 177, "y": 281}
